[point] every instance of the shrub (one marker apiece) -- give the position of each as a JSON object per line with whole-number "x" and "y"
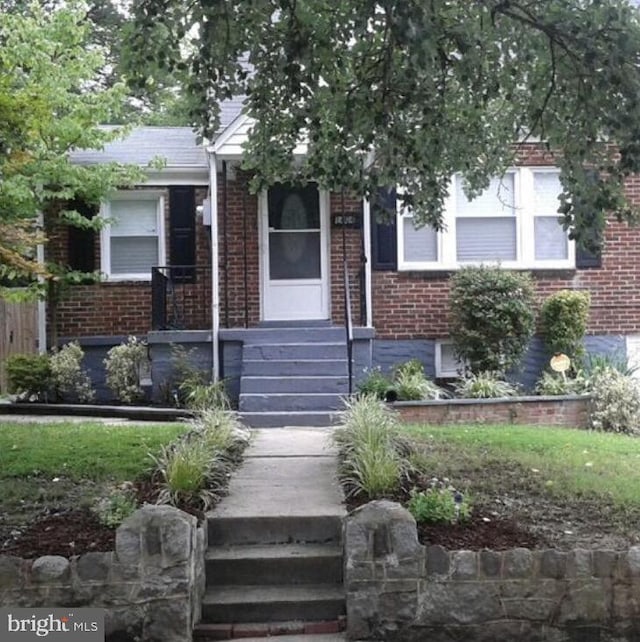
{"x": 492, "y": 317}
{"x": 553, "y": 383}
{"x": 438, "y": 506}
{"x": 222, "y": 432}
{"x": 564, "y": 317}
{"x": 411, "y": 384}
{"x": 68, "y": 377}
{"x": 113, "y": 509}
{"x": 375, "y": 383}
{"x": 484, "y": 385}
{"x": 200, "y": 397}
{"x": 596, "y": 362}
{"x": 615, "y": 402}
{"x": 125, "y": 364}
{"x": 29, "y": 375}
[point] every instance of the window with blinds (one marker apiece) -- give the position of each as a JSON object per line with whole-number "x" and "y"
{"x": 514, "y": 223}
{"x": 132, "y": 242}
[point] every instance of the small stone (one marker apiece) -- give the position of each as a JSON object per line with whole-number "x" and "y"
{"x": 518, "y": 563}
{"x": 94, "y": 567}
{"x": 553, "y": 564}
{"x": 633, "y": 561}
{"x": 490, "y": 562}
{"x": 579, "y": 563}
{"x": 11, "y": 575}
{"x": 604, "y": 563}
{"x": 437, "y": 560}
{"x": 50, "y": 568}
{"x": 464, "y": 565}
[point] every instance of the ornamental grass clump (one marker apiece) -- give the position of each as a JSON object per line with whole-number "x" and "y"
{"x": 371, "y": 449}
{"x": 484, "y": 385}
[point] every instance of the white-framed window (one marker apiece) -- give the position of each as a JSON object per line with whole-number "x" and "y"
{"x": 447, "y": 365}
{"x": 514, "y": 223}
{"x": 133, "y": 240}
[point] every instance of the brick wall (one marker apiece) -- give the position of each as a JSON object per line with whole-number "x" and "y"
{"x": 124, "y": 307}
{"x": 415, "y": 304}
{"x": 571, "y": 412}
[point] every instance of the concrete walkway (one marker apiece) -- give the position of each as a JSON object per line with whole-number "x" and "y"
{"x": 286, "y": 490}
{"x": 287, "y": 472}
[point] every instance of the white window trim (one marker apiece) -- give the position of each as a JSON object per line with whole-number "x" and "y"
{"x": 441, "y": 373}
{"x": 105, "y": 233}
{"x": 525, "y": 219}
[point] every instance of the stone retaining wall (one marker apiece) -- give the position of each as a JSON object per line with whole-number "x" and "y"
{"x": 151, "y": 586}
{"x": 398, "y": 589}
{"x": 570, "y": 411}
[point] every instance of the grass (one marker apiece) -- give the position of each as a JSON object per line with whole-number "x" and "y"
{"x": 80, "y": 451}
{"x": 557, "y": 461}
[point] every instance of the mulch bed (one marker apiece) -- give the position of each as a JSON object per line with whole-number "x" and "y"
{"x": 66, "y": 533}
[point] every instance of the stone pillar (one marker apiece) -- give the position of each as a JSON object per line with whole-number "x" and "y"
{"x": 383, "y": 566}
{"x": 158, "y": 549}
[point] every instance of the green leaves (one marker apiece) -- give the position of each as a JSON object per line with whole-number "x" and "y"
{"x": 427, "y": 89}
{"x": 492, "y": 317}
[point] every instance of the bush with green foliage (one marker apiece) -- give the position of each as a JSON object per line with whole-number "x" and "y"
{"x": 370, "y": 448}
{"x": 29, "y": 376}
{"x": 492, "y": 317}
{"x": 438, "y": 506}
{"x": 484, "y": 385}
{"x": 407, "y": 383}
{"x": 125, "y": 365}
{"x": 68, "y": 378}
{"x": 113, "y": 509}
{"x": 554, "y": 384}
{"x": 564, "y": 316}
{"x": 615, "y": 402}
{"x": 193, "y": 471}
{"x": 375, "y": 383}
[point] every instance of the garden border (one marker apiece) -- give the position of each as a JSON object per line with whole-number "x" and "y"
{"x": 570, "y": 411}
{"x": 151, "y": 586}
{"x": 398, "y": 589}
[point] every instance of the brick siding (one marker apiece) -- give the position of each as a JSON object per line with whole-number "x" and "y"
{"x": 406, "y": 305}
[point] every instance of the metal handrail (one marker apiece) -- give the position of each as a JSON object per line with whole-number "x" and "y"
{"x": 348, "y": 325}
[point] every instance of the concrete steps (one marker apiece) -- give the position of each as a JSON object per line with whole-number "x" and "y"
{"x": 274, "y": 563}
{"x": 293, "y": 370}
{"x": 285, "y": 564}
{"x": 259, "y": 603}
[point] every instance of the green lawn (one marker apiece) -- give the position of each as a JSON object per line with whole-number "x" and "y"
{"x": 88, "y": 451}
{"x": 549, "y": 461}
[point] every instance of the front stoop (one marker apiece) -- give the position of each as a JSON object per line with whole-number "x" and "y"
{"x": 293, "y": 371}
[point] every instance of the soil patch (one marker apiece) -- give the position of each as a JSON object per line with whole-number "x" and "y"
{"x": 66, "y": 533}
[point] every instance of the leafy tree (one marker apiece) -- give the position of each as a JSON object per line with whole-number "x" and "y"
{"x": 432, "y": 88}
{"x": 51, "y": 101}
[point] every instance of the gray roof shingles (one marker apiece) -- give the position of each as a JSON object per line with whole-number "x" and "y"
{"x": 178, "y": 146}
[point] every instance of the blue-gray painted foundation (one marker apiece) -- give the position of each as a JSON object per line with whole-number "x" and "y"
{"x": 368, "y": 352}
{"x": 388, "y": 353}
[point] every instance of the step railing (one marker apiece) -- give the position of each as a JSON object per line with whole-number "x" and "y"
{"x": 348, "y": 325}
{"x": 181, "y": 297}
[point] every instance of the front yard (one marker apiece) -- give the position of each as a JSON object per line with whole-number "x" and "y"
{"x": 569, "y": 488}
{"x": 53, "y": 469}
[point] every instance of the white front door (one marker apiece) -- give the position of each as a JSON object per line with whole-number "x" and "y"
{"x": 295, "y": 273}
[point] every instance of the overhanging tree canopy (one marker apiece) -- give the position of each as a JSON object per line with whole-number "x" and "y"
{"x": 51, "y": 101}
{"x": 432, "y": 87}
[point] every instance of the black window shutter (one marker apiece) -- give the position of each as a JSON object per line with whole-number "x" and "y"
{"x": 588, "y": 258}
{"x": 182, "y": 231}
{"x": 81, "y": 244}
{"x": 384, "y": 243}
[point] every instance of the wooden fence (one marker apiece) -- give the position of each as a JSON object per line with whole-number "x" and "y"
{"x": 18, "y": 333}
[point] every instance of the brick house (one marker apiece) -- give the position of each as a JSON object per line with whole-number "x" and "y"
{"x": 255, "y": 284}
